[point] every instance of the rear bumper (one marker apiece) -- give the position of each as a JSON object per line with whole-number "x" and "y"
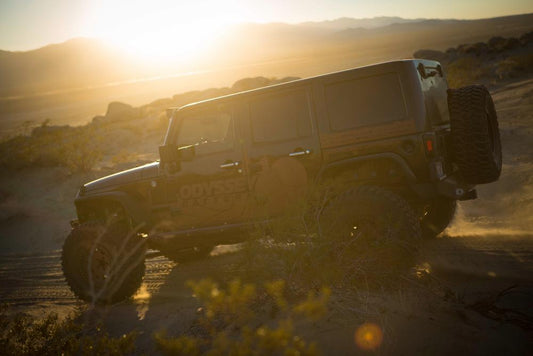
{"x": 454, "y": 189}
{"x": 449, "y": 187}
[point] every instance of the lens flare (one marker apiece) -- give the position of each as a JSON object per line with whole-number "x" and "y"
{"x": 368, "y": 336}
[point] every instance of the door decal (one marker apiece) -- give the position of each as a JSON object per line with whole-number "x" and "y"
{"x": 280, "y": 186}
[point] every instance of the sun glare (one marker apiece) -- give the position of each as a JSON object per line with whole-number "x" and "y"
{"x": 163, "y": 31}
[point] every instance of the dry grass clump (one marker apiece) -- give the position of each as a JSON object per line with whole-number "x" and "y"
{"x": 76, "y": 148}
{"x": 466, "y": 71}
{"x": 20, "y": 334}
{"x": 308, "y": 260}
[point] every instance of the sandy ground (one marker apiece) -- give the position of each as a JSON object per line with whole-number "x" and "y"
{"x": 475, "y": 297}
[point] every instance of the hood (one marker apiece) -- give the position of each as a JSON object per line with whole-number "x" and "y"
{"x": 147, "y": 171}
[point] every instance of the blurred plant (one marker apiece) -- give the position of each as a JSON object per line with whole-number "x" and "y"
{"x": 231, "y": 324}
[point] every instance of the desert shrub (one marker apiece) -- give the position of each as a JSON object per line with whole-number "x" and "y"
{"x": 162, "y": 122}
{"x": 232, "y": 321}
{"x": 466, "y": 71}
{"x": 122, "y": 156}
{"x": 309, "y": 263}
{"x": 20, "y": 334}
{"x": 81, "y": 152}
{"x": 137, "y": 130}
{"x": 307, "y": 259}
{"x": 75, "y": 148}
{"x": 514, "y": 66}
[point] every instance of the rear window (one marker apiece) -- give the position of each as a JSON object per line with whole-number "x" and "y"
{"x": 365, "y": 101}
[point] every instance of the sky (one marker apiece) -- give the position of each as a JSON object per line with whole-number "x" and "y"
{"x": 29, "y": 24}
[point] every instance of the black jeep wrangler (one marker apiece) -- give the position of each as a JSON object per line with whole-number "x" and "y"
{"x": 386, "y": 148}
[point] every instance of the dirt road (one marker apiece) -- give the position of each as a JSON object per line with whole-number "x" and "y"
{"x": 479, "y": 294}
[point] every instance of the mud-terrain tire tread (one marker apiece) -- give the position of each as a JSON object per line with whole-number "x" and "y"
{"x": 407, "y": 244}
{"x": 73, "y": 260}
{"x": 439, "y": 215}
{"x": 476, "y": 145}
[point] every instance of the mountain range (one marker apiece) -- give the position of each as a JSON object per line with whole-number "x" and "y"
{"x": 84, "y": 62}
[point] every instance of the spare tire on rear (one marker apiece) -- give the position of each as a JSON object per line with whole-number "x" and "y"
{"x": 475, "y": 135}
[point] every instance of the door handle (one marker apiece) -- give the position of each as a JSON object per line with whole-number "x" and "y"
{"x": 300, "y": 153}
{"x": 230, "y": 164}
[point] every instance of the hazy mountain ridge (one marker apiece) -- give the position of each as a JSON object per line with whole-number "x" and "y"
{"x": 81, "y": 63}
{"x": 76, "y": 62}
{"x": 519, "y": 23}
{"x": 348, "y": 22}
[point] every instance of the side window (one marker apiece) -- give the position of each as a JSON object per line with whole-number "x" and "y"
{"x": 209, "y": 131}
{"x": 365, "y": 101}
{"x": 281, "y": 116}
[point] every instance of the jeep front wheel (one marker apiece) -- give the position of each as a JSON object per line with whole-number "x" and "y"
{"x": 103, "y": 264}
{"x": 376, "y": 230}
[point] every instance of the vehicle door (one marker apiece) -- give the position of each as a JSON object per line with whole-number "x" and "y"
{"x": 282, "y": 149}
{"x": 210, "y": 188}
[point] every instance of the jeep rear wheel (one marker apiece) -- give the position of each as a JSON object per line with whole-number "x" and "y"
{"x": 377, "y": 230}
{"x": 103, "y": 264}
{"x": 437, "y": 216}
{"x": 475, "y": 135}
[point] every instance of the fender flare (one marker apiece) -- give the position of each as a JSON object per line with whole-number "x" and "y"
{"x": 135, "y": 208}
{"x": 406, "y": 170}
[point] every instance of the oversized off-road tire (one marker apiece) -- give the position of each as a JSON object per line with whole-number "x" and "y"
{"x": 103, "y": 264}
{"x": 475, "y": 136}
{"x": 375, "y": 230}
{"x": 437, "y": 216}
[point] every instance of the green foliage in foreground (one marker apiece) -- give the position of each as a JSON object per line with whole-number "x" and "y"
{"x": 20, "y": 334}
{"x": 231, "y": 322}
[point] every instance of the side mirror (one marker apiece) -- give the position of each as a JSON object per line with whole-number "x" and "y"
{"x": 187, "y": 153}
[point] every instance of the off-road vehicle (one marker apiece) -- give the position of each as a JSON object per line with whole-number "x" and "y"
{"x": 386, "y": 148}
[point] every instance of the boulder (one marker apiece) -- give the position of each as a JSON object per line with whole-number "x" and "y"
{"x": 476, "y": 49}
{"x": 47, "y": 130}
{"x": 285, "y": 80}
{"x": 117, "y": 111}
{"x": 97, "y": 120}
{"x": 496, "y": 44}
{"x": 250, "y": 83}
{"x": 512, "y": 43}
